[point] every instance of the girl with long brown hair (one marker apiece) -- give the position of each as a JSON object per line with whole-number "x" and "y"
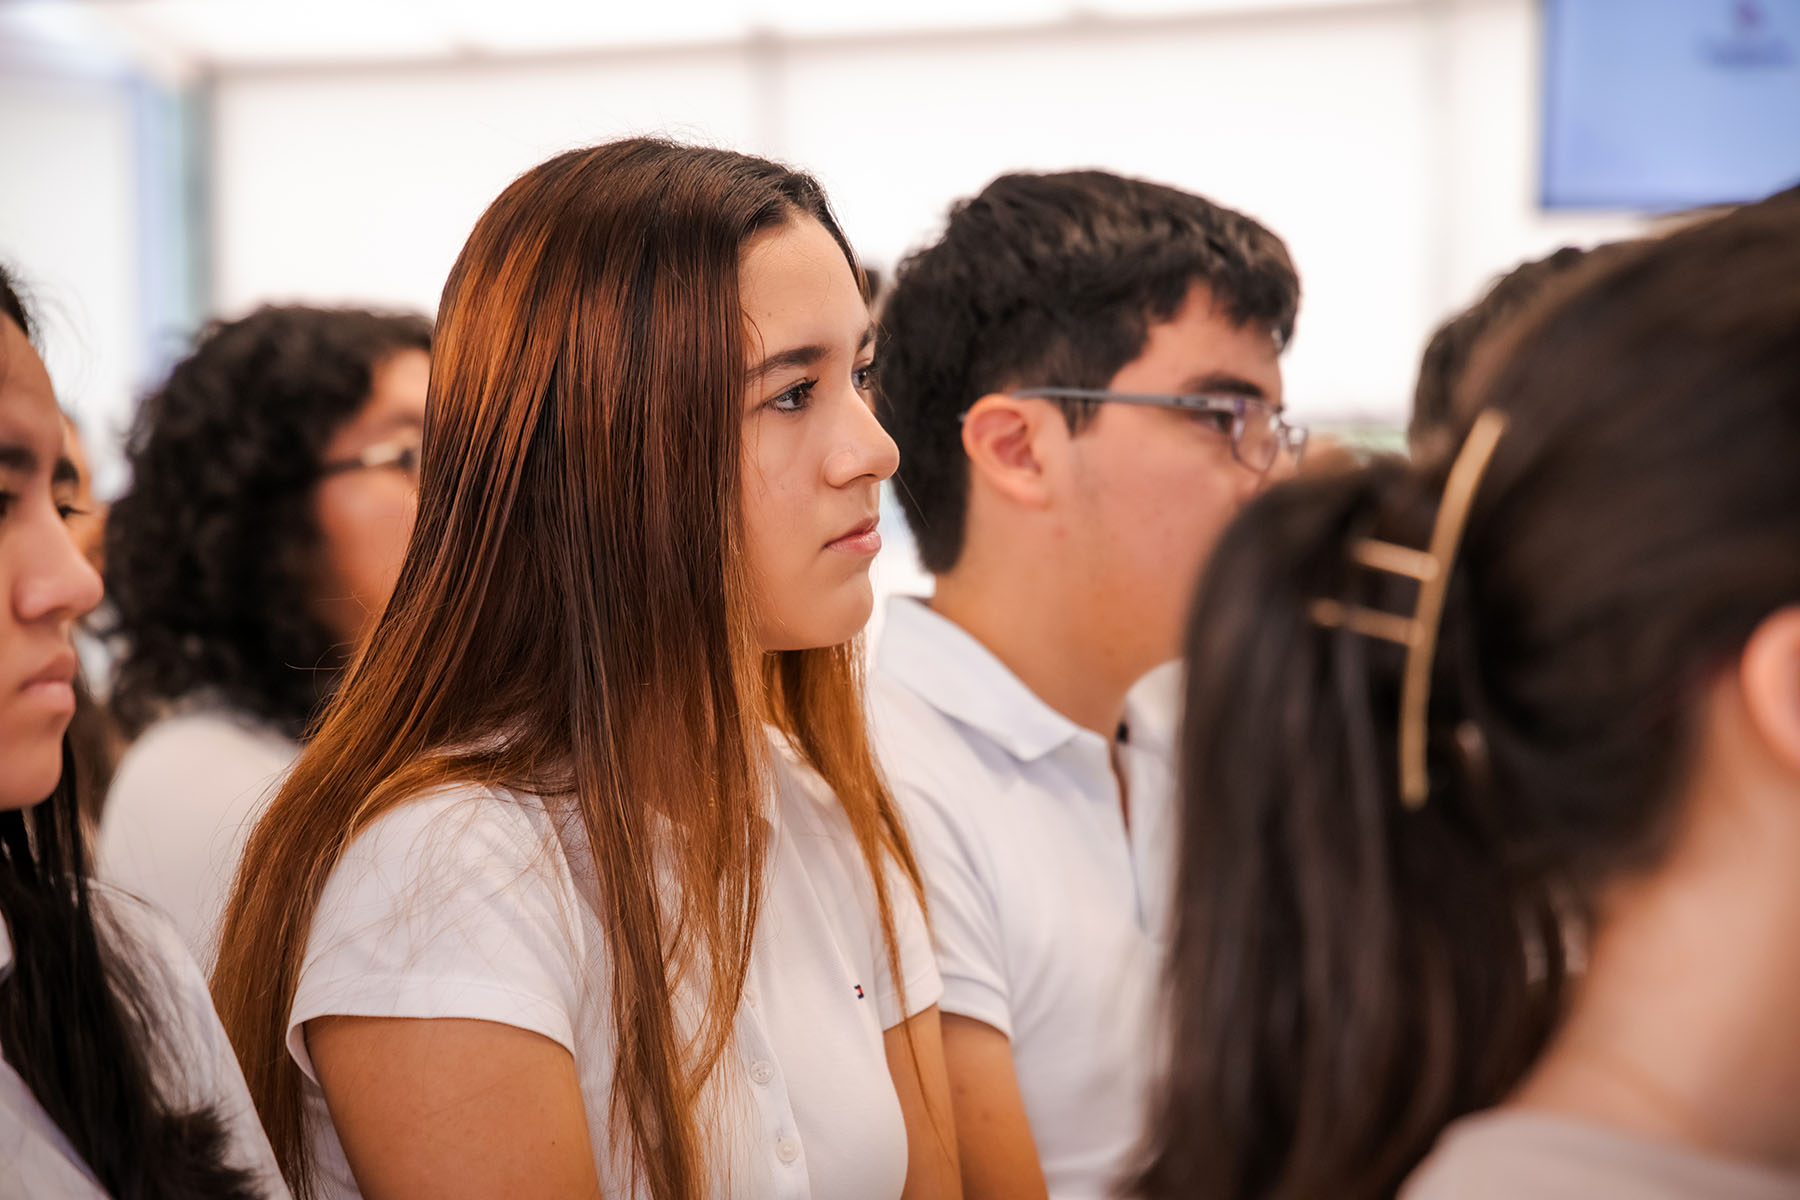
{"x": 587, "y": 883}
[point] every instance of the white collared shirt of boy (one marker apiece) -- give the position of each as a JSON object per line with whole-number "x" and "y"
{"x": 1047, "y": 905}
{"x": 472, "y": 902}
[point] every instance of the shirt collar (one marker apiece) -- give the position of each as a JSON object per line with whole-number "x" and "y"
{"x": 944, "y": 665}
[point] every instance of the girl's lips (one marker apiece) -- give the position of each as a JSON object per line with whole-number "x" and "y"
{"x": 54, "y": 684}
{"x": 53, "y": 693}
{"x": 864, "y": 539}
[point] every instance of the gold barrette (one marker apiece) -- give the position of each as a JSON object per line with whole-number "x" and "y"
{"x": 1431, "y": 567}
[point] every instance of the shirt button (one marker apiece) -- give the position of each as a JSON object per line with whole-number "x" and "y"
{"x": 762, "y": 1070}
{"x": 786, "y": 1149}
{"x": 750, "y": 996}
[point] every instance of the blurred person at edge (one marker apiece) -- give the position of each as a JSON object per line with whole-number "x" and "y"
{"x": 1527, "y": 930}
{"x": 1453, "y": 345}
{"x": 88, "y": 525}
{"x": 94, "y": 736}
{"x": 588, "y": 883}
{"x": 272, "y": 493}
{"x": 1083, "y": 376}
{"x": 115, "y": 1077}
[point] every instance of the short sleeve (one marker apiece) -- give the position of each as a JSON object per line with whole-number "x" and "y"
{"x": 918, "y": 962}
{"x": 458, "y": 904}
{"x": 965, "y": 923}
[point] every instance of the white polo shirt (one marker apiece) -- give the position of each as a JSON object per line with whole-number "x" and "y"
{"x": 1048, "y": 911}
{"x": 471, "y": 902}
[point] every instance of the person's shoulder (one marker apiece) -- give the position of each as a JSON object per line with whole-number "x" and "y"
{"x": 148, "y": 934}
{"x": 215, "y": 728}
{"x": 141, "y": 938}
{"x": 1507, "y": 1152}
{"x": 463, "y": 820}
{"x": 200, "y": 751}
{"x": 921, "y": 746}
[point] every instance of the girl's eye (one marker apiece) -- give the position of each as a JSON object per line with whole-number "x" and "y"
{"x": 863, "y": 377}
{"x": 65, "y": 511}
{"x": 795, "y": 398}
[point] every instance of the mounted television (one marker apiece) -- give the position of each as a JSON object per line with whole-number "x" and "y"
{"x": 1656, "y": 105}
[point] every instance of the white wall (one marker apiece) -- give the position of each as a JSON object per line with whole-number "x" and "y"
{"x": 69, "y": 228}
{"x": 1392, "y": 144}
{"x": 361, "y": 186}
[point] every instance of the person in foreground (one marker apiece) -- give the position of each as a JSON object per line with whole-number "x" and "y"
{"x": 1492, "y": 777}
{"x": 588, "y": 884}
{"x": 272, "y": 479}
{"x": 115, "y": 1077}
{"x": 1084, "y": 378}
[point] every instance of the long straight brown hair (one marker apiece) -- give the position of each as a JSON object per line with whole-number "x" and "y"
{"x": 575, "y": 605}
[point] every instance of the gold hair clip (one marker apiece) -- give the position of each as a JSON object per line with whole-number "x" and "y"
{"x": 1431, "y": 567}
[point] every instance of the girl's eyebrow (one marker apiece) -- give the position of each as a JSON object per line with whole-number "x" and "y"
{"x": 16, "y": 456}
{"x": 22, "y": 459}
{"x": 801, "y": 356}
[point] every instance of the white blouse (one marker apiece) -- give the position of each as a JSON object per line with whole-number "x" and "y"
{"x": 468, "y": 902}
{"x": 195, "y": 1068}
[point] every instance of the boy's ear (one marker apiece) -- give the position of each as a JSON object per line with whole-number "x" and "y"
{"x": 1769, "y": 675}
{"x": 1007, "y": 441}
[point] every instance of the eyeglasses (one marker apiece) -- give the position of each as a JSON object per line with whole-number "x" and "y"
{"x": 402, "y": 456}
{"x": 1258, "y": 433}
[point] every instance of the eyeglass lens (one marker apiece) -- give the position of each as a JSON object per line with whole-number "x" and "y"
{"x": 1263, "y": 436}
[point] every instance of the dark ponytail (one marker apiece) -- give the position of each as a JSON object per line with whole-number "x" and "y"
{"x": 83, "y": 1022}
{"x": 1348, "y": 976}
{"x": 1349, "y": 955}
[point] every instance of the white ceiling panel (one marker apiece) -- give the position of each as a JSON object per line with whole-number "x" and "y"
{"x": 177, "y": 35}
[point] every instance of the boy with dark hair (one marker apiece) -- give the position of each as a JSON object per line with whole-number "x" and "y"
{"x": 1083, "y": 377}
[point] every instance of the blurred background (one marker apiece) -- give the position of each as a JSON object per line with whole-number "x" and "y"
{"x": 168, "y": 160}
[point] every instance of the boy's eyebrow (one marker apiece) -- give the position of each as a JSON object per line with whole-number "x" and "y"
{"x": 1223, "y": 381}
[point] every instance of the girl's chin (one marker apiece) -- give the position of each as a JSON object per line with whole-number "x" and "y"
{"x": 31, "y": 779}
{"x": 810, "y": 631}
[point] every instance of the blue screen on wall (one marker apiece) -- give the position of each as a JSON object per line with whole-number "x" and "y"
{"x": 1667, "y": 104}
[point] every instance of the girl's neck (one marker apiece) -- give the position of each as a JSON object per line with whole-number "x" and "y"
{"x": 1683, "y": 1029}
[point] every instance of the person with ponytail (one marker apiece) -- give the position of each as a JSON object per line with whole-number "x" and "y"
{"x": 587, "y": 883}
{"x": 1488, "y": 878}
{"x": 115, "y": 1077}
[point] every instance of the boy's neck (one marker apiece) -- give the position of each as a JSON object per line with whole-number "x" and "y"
{"x": 1043, "y": 640}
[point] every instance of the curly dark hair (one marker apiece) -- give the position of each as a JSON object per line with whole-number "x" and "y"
{"x": 209, "y": 554}
{"x": 1049, "y": 280}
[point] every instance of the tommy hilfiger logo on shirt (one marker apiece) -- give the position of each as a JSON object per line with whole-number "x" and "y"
{"x": 859, "y": 991}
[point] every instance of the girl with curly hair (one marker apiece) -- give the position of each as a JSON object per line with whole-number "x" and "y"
{"x": 272, "y": 494}
{"x": 115, "y": 1077}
